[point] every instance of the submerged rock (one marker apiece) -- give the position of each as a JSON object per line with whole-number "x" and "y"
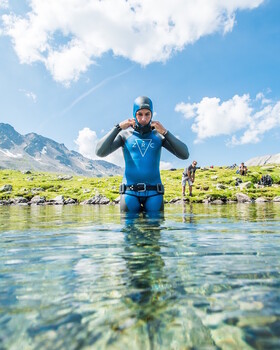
{"x": 217, "y": 201}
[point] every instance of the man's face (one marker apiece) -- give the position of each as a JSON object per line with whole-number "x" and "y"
{"x": 194, "y": 163}
{"x": 143, "y": 116}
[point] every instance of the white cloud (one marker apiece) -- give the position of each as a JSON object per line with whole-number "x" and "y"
{"x": 211, "y": 118}
{"x": 143, "y": 31}
{"x": 87, "y": 141}
{"x": 29, "y": 94}
{"x": 165, "y": 165}
{"x": 263, "y": 121}
{"x": 4, "y": 4}
{"x": 260, "y": 97}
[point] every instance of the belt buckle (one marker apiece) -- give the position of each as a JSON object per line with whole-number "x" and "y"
{"x": 122, "y": 189}
{"x": 141, "y": 184}
{"x": 160, "y": 188}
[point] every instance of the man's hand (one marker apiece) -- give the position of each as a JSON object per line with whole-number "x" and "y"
{"x": 159, "y": 128}
{"x": 127, "y": 123}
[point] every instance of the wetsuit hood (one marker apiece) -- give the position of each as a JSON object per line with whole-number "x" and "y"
{"x": 142, "y": 102}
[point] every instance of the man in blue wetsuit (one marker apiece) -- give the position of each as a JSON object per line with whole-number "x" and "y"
{"x": 141, "y": 140}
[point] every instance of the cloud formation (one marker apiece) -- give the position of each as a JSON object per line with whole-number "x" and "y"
{"x": 165, "y": 165}
{"x": 249, "y": 118}
{"x": 4, "y": 4}
{"x": 67, "y": 36}
{"x": 87, "y": 141}
{"x": 29, "y": 94}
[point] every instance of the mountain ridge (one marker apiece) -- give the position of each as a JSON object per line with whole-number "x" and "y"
{"x": 263, "y": 160}
{"x": 39, "y": 153}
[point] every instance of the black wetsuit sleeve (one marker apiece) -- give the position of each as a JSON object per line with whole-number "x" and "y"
{"x": 109, "y": 143}
{"x": 175, "y": 146}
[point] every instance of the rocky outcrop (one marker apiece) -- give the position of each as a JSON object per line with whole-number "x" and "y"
{"x": 6, "y": 188}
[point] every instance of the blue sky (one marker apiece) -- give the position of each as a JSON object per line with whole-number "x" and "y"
{"x": 70, "y": 70}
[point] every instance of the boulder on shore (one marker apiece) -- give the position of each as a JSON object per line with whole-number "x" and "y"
{"x": 38, "y": 200}
{"x": 97, "y": 200}
{"x": 59, "y": 200}
{"x": 243, "y": 198}
{"x": 261, "y": 200}
{"x": 6, "y": 188}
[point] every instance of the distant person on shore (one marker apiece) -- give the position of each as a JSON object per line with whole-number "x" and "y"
{"x": 189, "y": 176}
{"x": 141, "y": 140}
{"x": 243, "y": 169}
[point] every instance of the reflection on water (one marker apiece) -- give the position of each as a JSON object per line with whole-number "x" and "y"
{"x": 201, "y": 277}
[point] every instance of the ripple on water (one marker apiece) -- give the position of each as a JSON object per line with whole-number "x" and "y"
{"x": 200, "y": 277}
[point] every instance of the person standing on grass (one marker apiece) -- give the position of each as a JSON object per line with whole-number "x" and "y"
{"x": 188, "y": 176}
{"x": 141, "y": 140}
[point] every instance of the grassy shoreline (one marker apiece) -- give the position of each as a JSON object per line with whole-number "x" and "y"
{"x": 210, "y": 184}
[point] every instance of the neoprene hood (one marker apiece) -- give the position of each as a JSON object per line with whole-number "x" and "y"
{"x": 142, "y": 102}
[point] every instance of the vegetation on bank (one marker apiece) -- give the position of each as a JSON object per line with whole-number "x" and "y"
{"x": 211, "y": 183}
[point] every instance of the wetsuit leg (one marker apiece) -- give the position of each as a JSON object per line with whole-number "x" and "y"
{"x": 130, "y": 203}
{"x": 154, "y": 203}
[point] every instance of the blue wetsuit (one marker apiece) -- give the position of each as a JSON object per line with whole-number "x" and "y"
{"x": 142, "y": 159}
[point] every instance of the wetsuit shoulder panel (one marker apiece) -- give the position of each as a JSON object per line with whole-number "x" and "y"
{"x": 175, "y": 146}
{"x": 110, "y": 142}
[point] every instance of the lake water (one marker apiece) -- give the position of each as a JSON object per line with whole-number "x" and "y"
{"x": 86, "y": 277}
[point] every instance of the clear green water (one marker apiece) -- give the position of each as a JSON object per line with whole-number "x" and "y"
{"x": 202, "y": 277}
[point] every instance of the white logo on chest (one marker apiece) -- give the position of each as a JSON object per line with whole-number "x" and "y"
{"x": 143, "y": 145}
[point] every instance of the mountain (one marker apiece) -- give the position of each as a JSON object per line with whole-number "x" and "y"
{"x": 268, "y": 159}
{"x": 38, "y": 153}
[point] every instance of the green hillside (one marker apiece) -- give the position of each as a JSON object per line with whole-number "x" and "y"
{"x": 216, "y": 183}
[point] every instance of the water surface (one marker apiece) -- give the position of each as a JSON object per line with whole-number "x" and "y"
{"x": 86, "y": 277}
